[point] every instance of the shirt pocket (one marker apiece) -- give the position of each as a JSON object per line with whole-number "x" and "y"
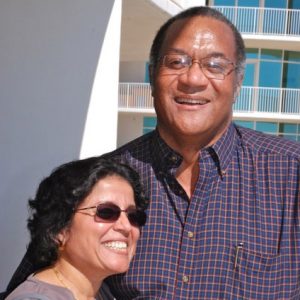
{"x": 259, "y": 276}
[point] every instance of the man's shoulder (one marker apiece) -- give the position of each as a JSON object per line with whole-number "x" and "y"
{"x": 139, "y": 149}
{"x": 269, "y": 144}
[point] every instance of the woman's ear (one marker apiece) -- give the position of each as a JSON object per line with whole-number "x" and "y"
{"x": 62, "y": 238}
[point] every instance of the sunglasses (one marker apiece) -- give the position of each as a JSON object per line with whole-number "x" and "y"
{"x": 110, "y": 212}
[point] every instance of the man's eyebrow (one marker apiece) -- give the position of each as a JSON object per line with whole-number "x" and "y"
{"x": 175, "y": 50}
{"x": 217, "y": 54}
{"x": 182, "y": 52}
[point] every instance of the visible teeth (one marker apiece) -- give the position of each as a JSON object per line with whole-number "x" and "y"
{"x": 191, "y": 101}
{"x": 116, "y": 245}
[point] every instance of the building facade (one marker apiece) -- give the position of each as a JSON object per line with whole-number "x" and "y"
{"x": 270, "y": 97}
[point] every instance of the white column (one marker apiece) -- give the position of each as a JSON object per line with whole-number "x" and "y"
{"x": 100, "y": 132}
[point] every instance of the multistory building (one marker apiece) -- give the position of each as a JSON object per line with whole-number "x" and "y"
{"x": 269, "y": 100}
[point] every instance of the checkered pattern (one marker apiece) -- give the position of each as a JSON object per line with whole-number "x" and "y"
{"x": 248, "y": 193}
{"x": 238, "y": 237}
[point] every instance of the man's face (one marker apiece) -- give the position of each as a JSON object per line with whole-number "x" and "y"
{"x": 188, "y": 104}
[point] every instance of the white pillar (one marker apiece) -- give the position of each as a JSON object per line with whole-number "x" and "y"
{"x": 100, "y": 132}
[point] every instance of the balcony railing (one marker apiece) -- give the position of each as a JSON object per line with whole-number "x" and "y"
{"x": 137, "y": 97}
{"x": 259, "y": 20}
{"x": 268, "y": 100}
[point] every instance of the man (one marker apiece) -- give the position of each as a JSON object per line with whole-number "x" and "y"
{"x": 223, "y": 221}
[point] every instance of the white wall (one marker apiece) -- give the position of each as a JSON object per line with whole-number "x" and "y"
{"x": 49, "y": 53}
{"x": 175, "y": 6}
{"x": 130, "y": 126}
{"x": 100, "y": 133}
{"x": 132, "y": 71}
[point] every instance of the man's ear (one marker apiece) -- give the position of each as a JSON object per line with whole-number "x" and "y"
{"x": 151, "y": 76}
{"x": 238, "y": 86}
{"x": 150, "y": 71}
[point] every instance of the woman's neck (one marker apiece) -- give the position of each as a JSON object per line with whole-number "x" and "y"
{"x": 66, "y": 275}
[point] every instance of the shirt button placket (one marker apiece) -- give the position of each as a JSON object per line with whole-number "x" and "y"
{"x": 190, "y": 234}
{"x": 185, "y": 265}
{"x": 173, "y": 158}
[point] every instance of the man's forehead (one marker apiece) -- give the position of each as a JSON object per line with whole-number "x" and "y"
{"x": 197, "y": 33}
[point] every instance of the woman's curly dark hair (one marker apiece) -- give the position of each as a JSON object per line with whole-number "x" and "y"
{"x": 60, "y": 194}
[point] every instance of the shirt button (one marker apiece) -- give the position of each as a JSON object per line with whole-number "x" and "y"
{"x": 185, "y": 279}
{"x": 173, "y": 158}
{"x": 190, "y": 234}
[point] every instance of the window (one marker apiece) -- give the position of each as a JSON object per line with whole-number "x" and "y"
{"x": 247, "y": 124}
{"x": 149, "y": 124}
{"x": 270, "y": 68}
{"x": 276, "y": 3}
{"x": 289, "y": 131}
{"x": 291, "y": 70}
{"x": 267, "y": 127}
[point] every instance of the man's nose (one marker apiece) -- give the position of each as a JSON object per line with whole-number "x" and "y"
{"x": 194, "y": 75}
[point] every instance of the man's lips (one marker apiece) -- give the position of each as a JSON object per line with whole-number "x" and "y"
{"x": 191, "y": 101}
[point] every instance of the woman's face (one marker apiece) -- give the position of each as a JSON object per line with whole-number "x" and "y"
{"x": 104, "y": 248}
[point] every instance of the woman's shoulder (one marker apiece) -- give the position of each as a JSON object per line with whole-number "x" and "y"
{"x": 27, "y": 296}
{"x": 34, "y": 289}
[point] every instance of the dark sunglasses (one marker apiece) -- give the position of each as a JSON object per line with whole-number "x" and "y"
{"x": 110, "y": 212}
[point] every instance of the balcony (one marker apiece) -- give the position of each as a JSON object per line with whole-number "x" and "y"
{"x": 252, "y": 103}
{"x": 267, "y": 21}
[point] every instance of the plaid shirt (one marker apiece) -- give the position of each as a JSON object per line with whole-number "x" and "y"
{"x": 238, "y": 237}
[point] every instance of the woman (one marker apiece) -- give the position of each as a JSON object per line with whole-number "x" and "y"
{"x": 84, "y": 226}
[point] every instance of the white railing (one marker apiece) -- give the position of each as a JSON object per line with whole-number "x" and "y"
{"x": 268, "y": 100}
{"x": 137, "y": 97}
{"x": 260, "y": 20}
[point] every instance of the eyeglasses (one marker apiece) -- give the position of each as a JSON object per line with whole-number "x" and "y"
{"x": 110, "y": 212}
{"x": 212, "y": 67}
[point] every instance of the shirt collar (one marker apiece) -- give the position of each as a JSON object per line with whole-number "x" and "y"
{"x": 223, "y": 149}
{"x": 221, "y": 152}
{"x": 164, "y": 156}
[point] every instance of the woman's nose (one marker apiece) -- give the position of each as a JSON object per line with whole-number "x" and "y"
{"x": 123, "y": 223}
